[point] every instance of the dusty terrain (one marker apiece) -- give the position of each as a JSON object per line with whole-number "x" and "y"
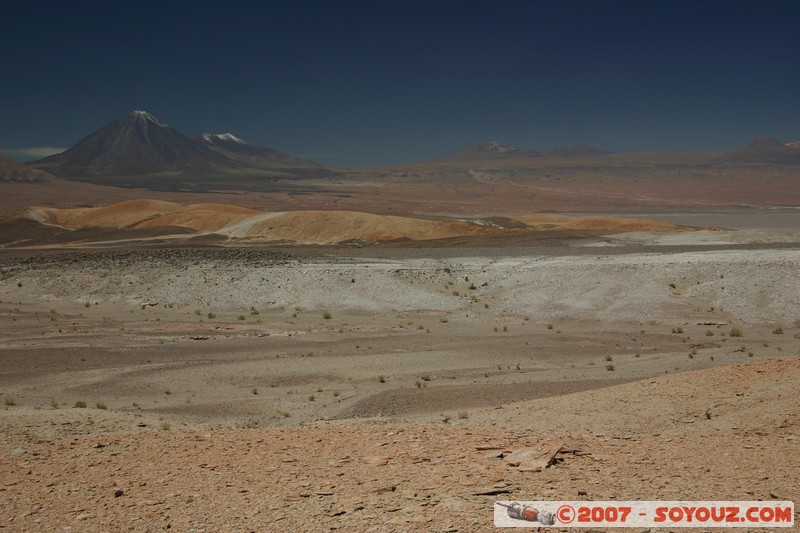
{"x": 391, "y": 475}
{"x": 317, "y": 388}
{"x": 240, "y": 226}
{"x": 606, "y": 183}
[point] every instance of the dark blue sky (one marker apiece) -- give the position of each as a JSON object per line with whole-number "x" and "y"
{"x": 364, "y": 83}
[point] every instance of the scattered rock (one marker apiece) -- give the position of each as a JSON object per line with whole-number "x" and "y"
{"x": 376, "y": 460}
{"x": 491, "y": 492}
{"x": 532, "y": 459}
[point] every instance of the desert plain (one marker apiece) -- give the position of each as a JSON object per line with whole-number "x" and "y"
{"x": 180, "y": 381}
{"x": 379, "y": 267}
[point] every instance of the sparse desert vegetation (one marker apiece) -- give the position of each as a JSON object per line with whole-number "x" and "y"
{"x": 402, "y": 354}
{"x": 398, "y": 322}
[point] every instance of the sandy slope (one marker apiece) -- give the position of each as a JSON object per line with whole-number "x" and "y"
{"x": 201, "y": 217}
{"x": 122, "y": 215}
{"x": 390, "y": 476}
{"x": 318, "y": 227}
{"x": 603, "y": 223}
{"x": 216, "y": 385}
{"x": 742, "y": 398}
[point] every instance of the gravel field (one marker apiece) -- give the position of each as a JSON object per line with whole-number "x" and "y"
{"x": 754, "y": 285}
{"x": 372, "y": 389}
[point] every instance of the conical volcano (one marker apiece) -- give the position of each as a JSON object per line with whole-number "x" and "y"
{"x": 136, "y": 144}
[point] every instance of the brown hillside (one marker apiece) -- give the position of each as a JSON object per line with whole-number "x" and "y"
{"x": 122, "y": 215}
{"x": 316, "y": 227}
{"x": 328, "y": 227}
{"x": 201, "y": 217}
{"x": 13, "y": 172}
{"x": 709, "y": 400}
{"x": 562, "y": 222}
{"x": 618, "y": 224}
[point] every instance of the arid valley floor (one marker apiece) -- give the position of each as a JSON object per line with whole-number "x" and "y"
{"x": 279, "y": 388}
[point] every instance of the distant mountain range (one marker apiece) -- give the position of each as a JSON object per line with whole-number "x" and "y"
{"x": 577, "y": 151}
{"x": 763, "y": 150}
{"x": 139, "y": 150}
{"x": 494, "y": 150}
{"x": 13, "y": 172}
{"x": 766, "y": 150}
{"x": 489, "y": 150}
{"x": 239, "y": 150}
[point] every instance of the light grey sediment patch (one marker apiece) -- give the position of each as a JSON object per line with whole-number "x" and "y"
{"x": 760, "y": 285}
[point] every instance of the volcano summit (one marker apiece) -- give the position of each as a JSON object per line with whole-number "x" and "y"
{"x": 138, "y": 150}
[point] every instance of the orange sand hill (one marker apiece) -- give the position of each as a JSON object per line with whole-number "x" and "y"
{"x": 201, "y": 217}
{"x": 122, "y": 215}
{"x": 603, "y": 223}
{"x": 315, "y": 227}
{"x": 339, "y": 226}
{"x": 145, "y": 214}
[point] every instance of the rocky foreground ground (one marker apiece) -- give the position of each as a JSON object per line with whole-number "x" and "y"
{"x": 221, "y": 385}
{"x": 729, "y": 434}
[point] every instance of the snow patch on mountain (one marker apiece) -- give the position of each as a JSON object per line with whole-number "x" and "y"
{"x": 230, "y": 137}
{"x": 147, "y": 116}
